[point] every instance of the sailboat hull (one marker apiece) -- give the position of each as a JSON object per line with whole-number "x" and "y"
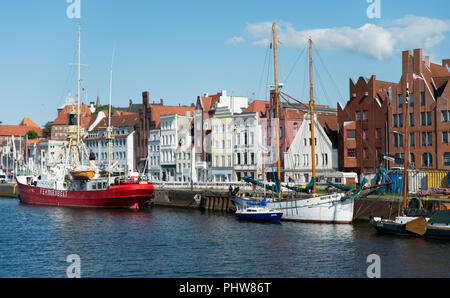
{"x": 269, "y": 216}
{"x": 320, "y": 209}
{"x": 398, "y": 227}
{"x": 116, "y": 196}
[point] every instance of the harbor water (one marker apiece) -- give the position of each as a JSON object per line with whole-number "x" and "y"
{"x": 178, "y": 243}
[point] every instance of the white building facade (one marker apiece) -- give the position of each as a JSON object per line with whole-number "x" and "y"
{"x": 175, "y": 138}
{"x": 248, "y": 146}
{"x": 222, "y": 133}
{"x": 122, "y": 145}
{"x": 154, "y": 162}
{"x": 297, "y": 160}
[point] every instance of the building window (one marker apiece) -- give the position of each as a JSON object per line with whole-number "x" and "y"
{"x": 400, "y": 100}
{"x": 411, "y": 119}
{"x": 395, "y": 140}
{"x": 427, "y": 160}
{"x": 295, "y": 126}
{"x": 378, "y": 133}
{"x": 395, "y": 120}
{"x": 444, "y": 116}
{"x": 447, "y": 159}
{"x": 422, "y": 118}
{"x": 444, "y": 137}
{"x": 400, "y": 120}
{"x": 430, "y": 138}
{"x": 428, "y": 118}
{"x": 422, "y": 98}
{"x": 400, "y": 137}
{"x": 351, "y": 152}
{"x": 366, "y": 134}
{"x": 412, "y": 158}
{"x": 351, "y": 134}
{"x": 366, "y": 115}
{"x": 411, "y": 139}
{"x": 358, "y": 115}
{"x": 411, "y": 100}
{"x": 305, "y": 159}
{"x": 366, "y": 153}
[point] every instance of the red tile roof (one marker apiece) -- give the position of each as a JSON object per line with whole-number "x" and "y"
{"x": 257, "y": 106}
{"x": 62, "y": 116}
{"x": 20, "y": 130}
{"x": 119, "y": 120}
{"x": 158, "y": 111}
{"x": 28, "y": 122}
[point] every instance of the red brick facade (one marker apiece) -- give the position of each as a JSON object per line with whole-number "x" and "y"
{"x": 363, "y": 125}
{"x": 428, "y": 113}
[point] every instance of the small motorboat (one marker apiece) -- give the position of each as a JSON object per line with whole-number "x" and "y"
{"x": 256, "y": 213}
{"x": 436, "y": 226}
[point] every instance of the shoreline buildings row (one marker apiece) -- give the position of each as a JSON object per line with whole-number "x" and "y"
{"x": 223, "y": 138}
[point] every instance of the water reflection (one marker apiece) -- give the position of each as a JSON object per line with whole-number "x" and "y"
{"x": 163, "y": 242}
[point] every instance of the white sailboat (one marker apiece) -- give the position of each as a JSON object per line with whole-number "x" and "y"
{"x": 330, "y": 208}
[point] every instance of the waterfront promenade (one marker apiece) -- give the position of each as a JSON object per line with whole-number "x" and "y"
{"x": 215, "y": 197}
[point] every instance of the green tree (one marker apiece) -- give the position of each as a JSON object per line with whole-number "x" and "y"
{"x": 32, "y": 135}
{"x": 47, "y": 131}
{"x": 104, "y": 108}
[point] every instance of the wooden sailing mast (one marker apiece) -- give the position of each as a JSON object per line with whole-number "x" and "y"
{"x": 311, "y": 108}
{"x": 278, "y": 183}
{"x": 79, "y": 85}
{"x": 406, "y": 146}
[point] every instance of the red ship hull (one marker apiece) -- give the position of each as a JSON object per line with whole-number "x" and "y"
{"x": 128, "y": 195}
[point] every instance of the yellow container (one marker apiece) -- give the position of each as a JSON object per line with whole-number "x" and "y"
{"x": 437, "y": 179}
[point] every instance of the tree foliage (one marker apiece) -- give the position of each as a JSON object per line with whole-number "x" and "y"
{"x": 47, "y": 131}
{"x": 32, "y": 135}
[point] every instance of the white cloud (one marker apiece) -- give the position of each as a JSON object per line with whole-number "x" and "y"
{"x": 235, "y": 40}
{"x": 369, "y": 40}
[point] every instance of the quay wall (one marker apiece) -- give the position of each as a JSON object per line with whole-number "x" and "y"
{"x": 8, "y": 190}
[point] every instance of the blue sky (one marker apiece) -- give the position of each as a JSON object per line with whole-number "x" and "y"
{"x": 178, "y": 50}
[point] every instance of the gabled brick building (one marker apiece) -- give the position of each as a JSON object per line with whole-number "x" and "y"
{"x": 363, "y": 125}
{"x": 428, "y": 112}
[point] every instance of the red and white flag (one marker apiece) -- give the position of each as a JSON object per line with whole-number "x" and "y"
{"x": 416, "y": 77}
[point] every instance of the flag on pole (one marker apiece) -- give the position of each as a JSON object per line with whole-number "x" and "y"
{"x": 416, "y": 77}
